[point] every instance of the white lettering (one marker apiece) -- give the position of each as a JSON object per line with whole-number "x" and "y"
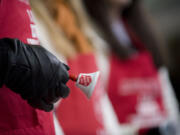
{"x": 30, "y": 15}
{"x": 33, "y": 30}
{"x": 25, "y": 1}
{"x": 32, "y": 41}
{"x": 139, "y": 85}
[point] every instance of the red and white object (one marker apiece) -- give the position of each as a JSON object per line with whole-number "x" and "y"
{"x": 86, "y": 82}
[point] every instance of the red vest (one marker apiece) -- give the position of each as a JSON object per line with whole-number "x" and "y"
{"x": 134, "y": 88}
{"x": 16, "y": 116}
{"x": 77, "y": 114}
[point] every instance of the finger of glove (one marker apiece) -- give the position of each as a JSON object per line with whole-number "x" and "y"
{"x": 41, "y": 104}
{"x": 52, "y": 100}
{"x": 62, "y": 90}
{"x": 66, "y": 66}
{"x": 63, "y": 74}
{"x": 52, "y": 97}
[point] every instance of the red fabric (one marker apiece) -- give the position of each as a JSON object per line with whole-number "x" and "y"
{"x": 77, "y": 114}
{"x": 16, "y": 116}
{"x": 134, "y": 88}
{"x": 16, "y": 21}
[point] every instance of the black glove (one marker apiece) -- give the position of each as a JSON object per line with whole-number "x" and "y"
{"x": 33, "y": 72}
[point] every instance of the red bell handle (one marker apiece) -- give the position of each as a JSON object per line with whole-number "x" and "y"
{"x": 73, "y": 77}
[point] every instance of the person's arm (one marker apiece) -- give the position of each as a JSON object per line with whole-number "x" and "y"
{"x": 143, "y": 24}
{"x": 33, "y": 72}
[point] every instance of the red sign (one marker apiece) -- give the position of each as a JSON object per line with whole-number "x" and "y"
{"x": 85, "y": 80}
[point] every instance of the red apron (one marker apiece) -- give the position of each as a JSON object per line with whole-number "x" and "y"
{"x": 77, "y": 114}
{"x": 134, "y": 89}
{"x": 16, "y": 116}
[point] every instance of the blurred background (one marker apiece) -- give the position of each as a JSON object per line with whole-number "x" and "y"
{"x": 68, "y": 27}
{"x": 167, "y": 16}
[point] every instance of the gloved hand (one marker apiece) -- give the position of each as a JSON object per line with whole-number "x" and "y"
{"x": 33, "y": 72}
